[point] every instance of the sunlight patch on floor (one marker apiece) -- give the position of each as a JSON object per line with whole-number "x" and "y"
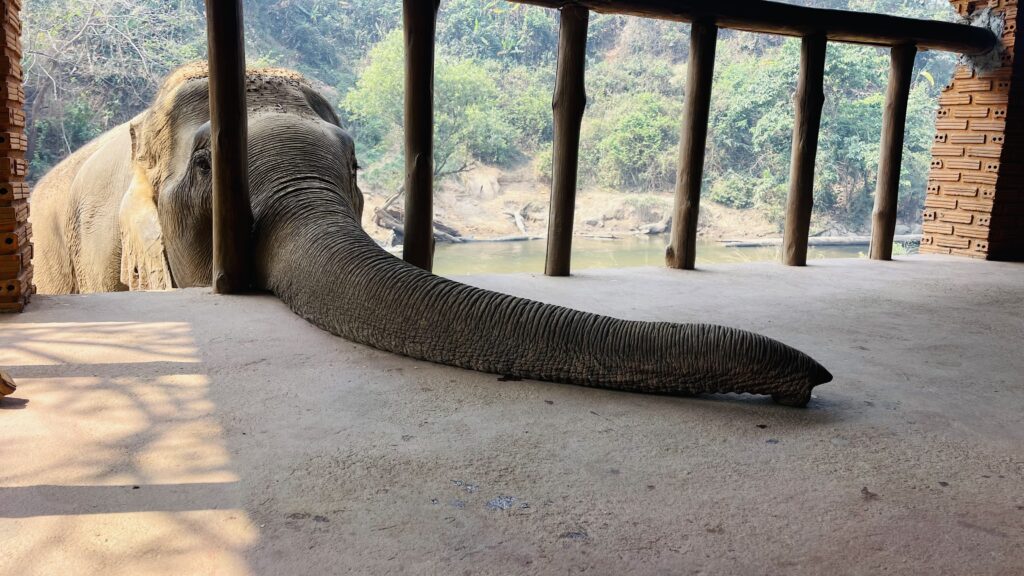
{"x": 136, "y": 477}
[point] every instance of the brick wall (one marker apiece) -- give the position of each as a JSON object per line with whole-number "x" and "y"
{"x": 974, "y": 203}
{"x": 15, "y": 231}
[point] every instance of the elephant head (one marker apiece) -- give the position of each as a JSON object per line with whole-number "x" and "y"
{"x": 311, "y": 251}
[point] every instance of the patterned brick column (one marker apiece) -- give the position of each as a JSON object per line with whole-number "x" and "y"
{"x": 975, "y": 205}
{"x": 15, "y": 231}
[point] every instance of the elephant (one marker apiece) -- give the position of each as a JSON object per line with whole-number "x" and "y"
{"x": 132, "y": 210}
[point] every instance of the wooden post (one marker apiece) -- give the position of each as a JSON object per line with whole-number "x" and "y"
{"x": 419, "y": 18}
{"x": 883, "y": 218}
{"x": 682, "y": 249}
{"x": 568, "y": 104}
{"x": 232, "y": 211}
{"x": 810, "y": 97}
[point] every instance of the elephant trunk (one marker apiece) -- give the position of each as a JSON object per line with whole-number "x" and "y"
{"x": 329, "y": 271}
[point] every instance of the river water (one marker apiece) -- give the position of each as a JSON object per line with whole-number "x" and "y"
{"x": 528, "y": 256}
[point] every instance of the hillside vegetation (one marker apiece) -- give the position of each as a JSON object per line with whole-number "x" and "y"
{"x": 91, "y": 64}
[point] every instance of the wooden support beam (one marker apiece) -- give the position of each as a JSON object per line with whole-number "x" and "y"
{"x": 682, "y": 249}
{"x": 568, "y": 104}
{"x": 791, "y": 20}
{"x": 810, "y": 97}
{"x": 232, "y": 211}
{"x": 419, "y": 18}
{"x": 894, "y": 118}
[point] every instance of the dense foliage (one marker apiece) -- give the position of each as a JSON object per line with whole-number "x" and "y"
{"x": 91, "y": 64}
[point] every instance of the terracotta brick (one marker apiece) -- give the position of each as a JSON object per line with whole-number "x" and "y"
{"x": 975, "y": 86}
{"x": 971, "y": 112}
{"x": 945, "y": 150}
{"x": 974, "y": 138}
{"x": 945, "y": 177}
{"x": 13, "y": 216}
{"x": 963, "y": 164}
{"x": 13, "y": 142}
{"x": 971, "y": 252}
{"x": 950, "y": 242}
{"x": 937, "y": 228}
{"x": 12, "y": 265}
{"x": 971, "y": 232}
{"x": 10, "y": 191}
{"x": 13, "y": 289}
{"x": 988, "y": 125}
{"x": 963, "y": 73}
{"x": 960, "y": 190}
{"x": 941, "y": 202}
{"x": 15, "y": 231}
{"x": 14, "y": 241}
{"x": 953, "y": 98}
{"x": 975, "y": 205}
{"x": 933, "y": 250}
{"x": 980, "y": 178}
{"x": 956, "y": 217}
{"x": 991, "y": 98}
{"x": 984, "y": 151}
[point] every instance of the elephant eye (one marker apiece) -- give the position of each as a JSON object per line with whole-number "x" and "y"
{"x": 202, "y": 161}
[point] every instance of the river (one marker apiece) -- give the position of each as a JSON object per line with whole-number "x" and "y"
{"x": 528, "y": 256}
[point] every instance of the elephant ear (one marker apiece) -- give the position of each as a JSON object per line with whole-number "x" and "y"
{"x": 143, "y": 257}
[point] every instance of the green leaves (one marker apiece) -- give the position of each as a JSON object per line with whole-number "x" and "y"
{"x": 482, "y": 112}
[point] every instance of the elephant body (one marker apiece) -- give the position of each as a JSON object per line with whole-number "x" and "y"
{"x": 131, "y": 210}
{"x": 75, "y": 217}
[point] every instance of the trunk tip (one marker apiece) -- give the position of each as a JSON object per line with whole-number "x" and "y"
{"x": 800, "y": 398}
{"x": 820, "y": 376}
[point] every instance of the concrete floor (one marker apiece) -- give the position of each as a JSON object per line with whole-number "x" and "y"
{"x": 185, "y": 433}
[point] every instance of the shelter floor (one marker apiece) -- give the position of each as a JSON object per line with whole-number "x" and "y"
{"x": 187, "y": 433}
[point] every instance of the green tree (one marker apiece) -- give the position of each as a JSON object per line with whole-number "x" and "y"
{"x": 470, "y": 123}
{"x": 626, "y": 145}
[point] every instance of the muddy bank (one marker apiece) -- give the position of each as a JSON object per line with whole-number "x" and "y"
{"x": 491, "y": 205}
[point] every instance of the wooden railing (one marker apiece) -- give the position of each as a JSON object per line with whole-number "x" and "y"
{"x": 815, "y": 26}
{"x": 232, "y": 213}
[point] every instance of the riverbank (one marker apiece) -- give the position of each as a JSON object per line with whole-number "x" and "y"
{"x": 490, "y": 205}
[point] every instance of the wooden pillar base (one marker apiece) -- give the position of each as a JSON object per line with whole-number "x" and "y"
{"x": 682, "y": 250}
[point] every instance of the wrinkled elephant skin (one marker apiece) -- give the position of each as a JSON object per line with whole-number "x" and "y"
{"x": 131, "y": 210}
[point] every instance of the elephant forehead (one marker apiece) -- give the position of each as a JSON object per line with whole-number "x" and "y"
{"x": 276, "y": 93}
{"x": 263, "y": 92}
